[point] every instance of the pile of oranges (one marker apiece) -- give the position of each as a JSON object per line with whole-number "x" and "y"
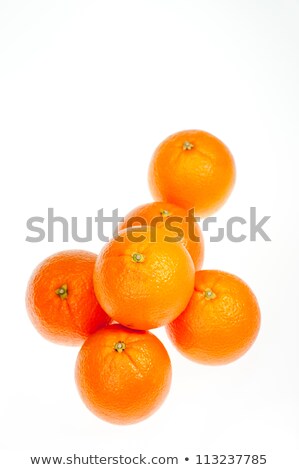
{"x": 148, "y": 276}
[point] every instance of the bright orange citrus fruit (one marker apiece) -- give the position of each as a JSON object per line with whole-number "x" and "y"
{"x": 221, "y": 321}
{"x": 123, "y": 375}
{"x": 143, "y": 284}
{"x": 177, "y": 223}
{"x": 60, "y": 298}
{"x": 192, "y": 169}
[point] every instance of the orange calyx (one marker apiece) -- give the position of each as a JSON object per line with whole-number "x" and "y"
{"x": 137, "y": 257}
{"x": 62, "y": 291}
{"x": 209, "y": 294}
{"x": 187, "y": 145}
{"x": 120, "y": 346}
{"x": 165, "y": 213}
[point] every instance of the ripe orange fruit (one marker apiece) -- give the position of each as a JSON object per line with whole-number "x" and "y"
{"x": 192, "y": 169}
{"x": 60, "y": 298}
{"x": 165, "y": 214}
{"x": 143, "y": 284}
{"x": 221, "y": 321}
{"x": 123, "y": 375}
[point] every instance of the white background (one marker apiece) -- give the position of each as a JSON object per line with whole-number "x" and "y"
{"x": 88, "y": 90}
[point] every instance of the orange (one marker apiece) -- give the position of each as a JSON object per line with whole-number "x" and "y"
{"x": 167, "y": 215}
{"x": 192, "y": 169}
{"x": 123, "y": 375}
{"x": 143, "y": 284}
{"x": 60, "y": 298}
{"x": 221, "y": 321}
